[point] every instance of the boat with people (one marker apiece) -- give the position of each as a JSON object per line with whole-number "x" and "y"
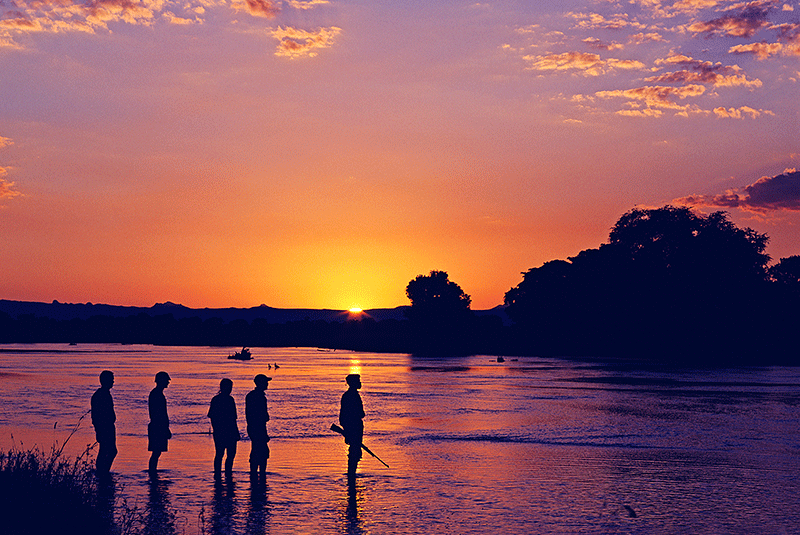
{"x": 244, "y": 354}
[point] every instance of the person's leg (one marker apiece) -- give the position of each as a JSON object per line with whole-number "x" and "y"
{"x": 264, "y": 456}
{"x": 112, "y": 451}
{"x": 107, "y": 441}
{"x": 153, "y": 466}
{"x": 219, "y": 451}
{"x": 353, "y": 456}
{"x": 229, "y": 459}
{"x": 254, "y": 456}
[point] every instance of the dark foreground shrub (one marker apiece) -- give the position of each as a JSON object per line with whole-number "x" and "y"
{"x": 48, "y": 493}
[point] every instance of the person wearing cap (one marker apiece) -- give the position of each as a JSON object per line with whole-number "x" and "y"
{"x": 223, "y": 421}
{"x": 257, "y": 416}
{"x": 158, "y": 433}
{"x": 103, "y": 420}
{"x": 351, "y": 418}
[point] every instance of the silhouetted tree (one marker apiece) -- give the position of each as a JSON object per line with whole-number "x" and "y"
{"x": 439, "y": 314}
{"x": 787, "y": 272}
{"x": 669, "y": 281}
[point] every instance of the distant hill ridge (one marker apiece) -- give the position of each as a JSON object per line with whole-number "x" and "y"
{"x": 67, "y": 311}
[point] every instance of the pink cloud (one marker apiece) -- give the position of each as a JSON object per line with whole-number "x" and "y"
{"x": 656, "y": 96}
{"x": 751, "y": 17}
{"x": 296, "y": 43}
{"x": 261, "y": 8}
{"x": 760, "y": 50}
{"x": 7, "y": 189}
{"x": 587, "y": 63}
{"x": 716, "y": 74}
{"x": 780, "y": 192}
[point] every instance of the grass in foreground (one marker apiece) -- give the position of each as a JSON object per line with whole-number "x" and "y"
{"x": 48, "y": 493}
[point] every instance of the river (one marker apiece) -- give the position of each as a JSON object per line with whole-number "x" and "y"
{"x": 529, "y": 445}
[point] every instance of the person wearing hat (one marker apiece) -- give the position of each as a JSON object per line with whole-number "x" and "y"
{"x": 103, "y": 420}
{"x": 223, "y": 421}
{"x": 158, "y": 433}
{"x": 257, "y": 416}
{"x": 351, "y": 418}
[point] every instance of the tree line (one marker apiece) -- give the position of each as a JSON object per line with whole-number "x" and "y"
{"x": 670, "y": 285}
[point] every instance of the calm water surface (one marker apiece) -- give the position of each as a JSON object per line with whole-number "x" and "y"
{"x": 532, "y": 445}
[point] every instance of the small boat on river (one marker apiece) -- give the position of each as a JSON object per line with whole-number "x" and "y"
{"x": 244, "y": 354}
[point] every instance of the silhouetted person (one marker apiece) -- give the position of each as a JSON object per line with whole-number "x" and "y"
{"x": 257, "y": 417}
{"x": 351, "y": 416}
{"x": 223, "y": 421}
{"x": 103, "y": 420}
{"x": 158, "y": 433}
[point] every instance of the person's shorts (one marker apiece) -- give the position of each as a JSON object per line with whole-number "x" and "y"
{"x": 157, "y": 438}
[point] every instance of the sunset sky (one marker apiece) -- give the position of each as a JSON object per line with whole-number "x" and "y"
{"x": 322, "y": 154}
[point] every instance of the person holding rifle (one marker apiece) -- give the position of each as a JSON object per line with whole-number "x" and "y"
{"x": 351, "y": 416}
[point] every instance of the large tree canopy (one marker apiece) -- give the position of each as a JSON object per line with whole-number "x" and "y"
{"x": 667, "y": 280}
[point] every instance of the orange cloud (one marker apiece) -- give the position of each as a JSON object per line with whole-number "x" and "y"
{"x": 310, "y": 4}
{"x": 594, "y": 21}
{"x": 780, "y": 192}
{"x": 7, "y": 190}
{"x": 656, "y": 96}
{"x": 705, "y": 72}
{"x": 746, "y": 22}
{"x": 296, "y": 43}
{"x": 639, "y": 38}
{"x": 740, "y": 113}
{"x": 602, "y": 45}
{"x": 589, "y": 64}
{"x": 258, "y": 8}
{"x": 689, "y": 6}
{"x": 760, "y": 50}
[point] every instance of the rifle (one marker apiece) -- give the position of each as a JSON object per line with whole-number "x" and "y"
{"x": 339, "y": 430}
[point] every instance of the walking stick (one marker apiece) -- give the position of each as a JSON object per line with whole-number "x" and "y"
{"x": 339, "y": 430}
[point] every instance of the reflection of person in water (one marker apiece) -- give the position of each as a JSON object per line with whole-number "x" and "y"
{"x": 223, "y": 507}
{"x": 352, "y": 514}
{"x": 103, "y": 419}
{"x": 158, "y": 433}
{"x": 257, "y": 417}
{"x": 259, "y": 512}
{"x": 351, "y": 416}
{"x": 223, "y": 421}
{"x": 159, "y": 519}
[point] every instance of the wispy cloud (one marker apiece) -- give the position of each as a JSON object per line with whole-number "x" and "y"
{"x": 258, "y": 8}
{"x": 7, "y": 189}
{"x": 296, "y": 43}
{"x": 675, "y": 77}
{"x": 767, "y": 194}
{"x": 742, "y": 20}
{"x": 603, "y": 45}
{"x": 586, "y": 63}
{"x": 715, "y": 74}
{"x": 65, "y": 16}
{"x": 740, "y": 113}
{"x": 656, "y": 96}
{"x": 760, "y": 50}
{"x": 641, "y": 37}
{"x": 309, "y": 4}
{"x": 596, "y": 21}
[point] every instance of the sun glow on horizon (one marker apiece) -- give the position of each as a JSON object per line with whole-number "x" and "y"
{"x": 355, "y": 310}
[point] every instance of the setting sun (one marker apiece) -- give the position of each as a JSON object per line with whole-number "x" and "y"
{"x": 355, "y": 310}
